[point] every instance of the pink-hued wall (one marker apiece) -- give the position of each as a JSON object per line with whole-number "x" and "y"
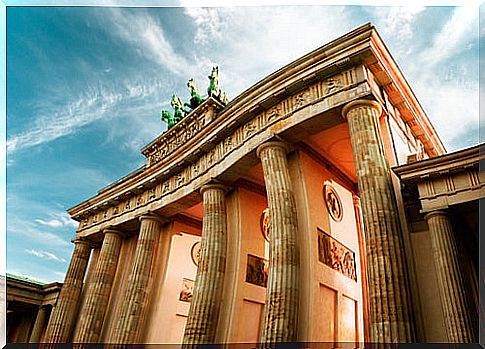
{"x": 167, "y": 315}
{"x": 336, "y": 314}
{"x": 246, "y": 300}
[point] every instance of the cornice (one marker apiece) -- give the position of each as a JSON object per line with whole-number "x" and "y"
{"x": 460, "y": 160}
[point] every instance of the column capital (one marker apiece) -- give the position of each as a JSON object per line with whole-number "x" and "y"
{"x": 271, "y": 144}
{"x": 431, "y": 214}
{"x": 113, "y": 230}
{"x": 214, "y": 186}
{"x": 154, "y": 217}
{"x": 84, "y": 241}
{"x": 361, "y": 102}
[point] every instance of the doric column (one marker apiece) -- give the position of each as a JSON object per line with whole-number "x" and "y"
{"x": 280, "y": 321}
{"x": 389, "y": 293}
{"x": 455, "y": 301}
{"x": 63, "y": 314}
{"x": 39, "y": 324}
{"x": 92, "y": 314}
{"x": 129, "y": 324}
{"x": 204, "y": 308}
{"x": 363, "y": 268}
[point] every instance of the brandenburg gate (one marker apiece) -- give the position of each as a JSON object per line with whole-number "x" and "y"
{"x": 272, "y": 217}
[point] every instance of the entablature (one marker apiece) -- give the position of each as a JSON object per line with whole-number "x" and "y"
{"x": 450, "y": 179}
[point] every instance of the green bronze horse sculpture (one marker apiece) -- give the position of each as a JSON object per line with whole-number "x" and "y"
{"x": 195, "y": 98}
{"x": 168, "y": 118}
{"x": 179, "y": 112}
{"x": 213, "y": 90}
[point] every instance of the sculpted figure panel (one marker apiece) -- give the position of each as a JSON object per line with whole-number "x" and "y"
{"x": 335, "y": 255}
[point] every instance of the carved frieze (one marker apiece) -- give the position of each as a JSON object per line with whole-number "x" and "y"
{"x": 193, "y": 123}
{"x": 257, "y": 271}
{"x": 335, "y": 255}
{"x": 186, "y": 291}
{"x": 182, "y": 132}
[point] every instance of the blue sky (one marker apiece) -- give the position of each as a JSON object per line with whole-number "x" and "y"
{"x": 85, "y": 86}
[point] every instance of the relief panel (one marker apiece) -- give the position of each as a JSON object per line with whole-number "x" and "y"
{"x": 335, "y": 255}
{"x": 257, "y": 271}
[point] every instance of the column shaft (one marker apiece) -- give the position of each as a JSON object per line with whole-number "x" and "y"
{"x": 63, "y": 314}
{"x": 129, "y": 324}
{"x": 455, "y": 300}
{"x": 39, "y": 324}
{"x": 281, "y": 309}
{"x": 204, "y": 309}
{"x": 92, "y": 315}
{"x": 389, "y": 293}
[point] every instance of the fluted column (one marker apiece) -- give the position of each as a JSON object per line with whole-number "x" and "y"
{"x": 280, "y": 321}
{"x": 39, "y": 324}
{"x": 389, "y": 293}
{"x": 92, "y": 314}
{"x": 130, "y": 321}
{"x": 455, "y": 302}
{"x": 63, "y": 314}
{"x": 204, "y": 309}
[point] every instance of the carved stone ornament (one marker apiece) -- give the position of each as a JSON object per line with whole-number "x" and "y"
{"x": 333, "y": 203}
{"x": 186, "y": 291}
{"x": 335, "y": 255}
{"x": 195, "y": 253}
{"x": 264, "y": 223}
{"x": 257, "y": 271}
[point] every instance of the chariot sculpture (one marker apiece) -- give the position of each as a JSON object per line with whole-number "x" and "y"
{"x": 195, "y": 99}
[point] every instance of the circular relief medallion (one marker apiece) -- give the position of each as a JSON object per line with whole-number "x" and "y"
{"x": 332, "y": 200}
{"x": 264, "y": 223}
{"x": 195, "y": 253}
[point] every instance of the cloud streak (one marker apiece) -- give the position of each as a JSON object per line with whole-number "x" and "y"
{"x": 62, "y": 220}
{"x": 95, "y": 103}
{"x": 144, "y": 32}
{"x": 45, "y": 255}
{"x": 459, "y": 29}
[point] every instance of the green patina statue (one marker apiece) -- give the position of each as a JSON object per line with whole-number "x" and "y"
{"x": 168, "y": 118}
{"x": 195, "y": 98}
{"x": 213, "y": 90}
{"x": 179, "y": 112}
{"x": 178, "y": 106}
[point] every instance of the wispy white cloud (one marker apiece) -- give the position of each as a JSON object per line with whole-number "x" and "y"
{"x": 211, "y": 23}
{"x": 453, "y": 37}
{"x": 144, "y": 32}
{"x": 65, "y": 119}
{"x": 61, "y": 219}
{"x": 397, "y": 23}
{"x": 95, "y": 103}
{"x": 45, "y": 255}
{"x": 24, "y": 229}
{"x": 53, "y": 223}
{"x": 34, "y": 235}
